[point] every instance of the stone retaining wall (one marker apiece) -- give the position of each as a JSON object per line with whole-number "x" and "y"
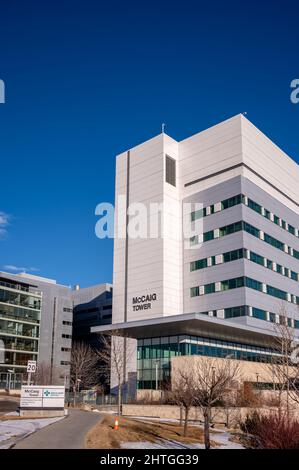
{"x": 230, "y": 417}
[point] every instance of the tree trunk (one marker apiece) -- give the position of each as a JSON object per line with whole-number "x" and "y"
{"x": 186, "y": 421}
{"x": 181, "y": 415}
{"x": 207, "y": 419}
{"x": 119, "y": 397}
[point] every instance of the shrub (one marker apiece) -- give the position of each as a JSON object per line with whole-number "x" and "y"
{"x": 248, "y": 397}
{"x": 251, "y": 423}
{"x": 273, "y": 431}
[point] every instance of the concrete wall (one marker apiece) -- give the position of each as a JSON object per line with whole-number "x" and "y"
{"x": 247, "y": 371}
{"x": 230, "y": 417}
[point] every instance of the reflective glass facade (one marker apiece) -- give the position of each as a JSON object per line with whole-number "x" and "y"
{"x": 154, "y": 355}
{"x": 20, "y": 312}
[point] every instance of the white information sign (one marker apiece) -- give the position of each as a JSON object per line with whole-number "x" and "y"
{"x": 31, "y": 367}
{"x": 41, "y": 396}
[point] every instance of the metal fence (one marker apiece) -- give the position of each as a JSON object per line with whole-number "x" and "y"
{"x": 91, "y": 397}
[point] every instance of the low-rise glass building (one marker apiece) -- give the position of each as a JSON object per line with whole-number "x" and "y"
{"x": 20, "y": 316}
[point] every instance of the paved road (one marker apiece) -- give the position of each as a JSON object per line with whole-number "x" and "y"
{"x": 69, "y": 433}
{"x": 8, "y": 404}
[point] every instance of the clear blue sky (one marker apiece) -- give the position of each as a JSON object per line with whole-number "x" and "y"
{"x": 86, "y": 80}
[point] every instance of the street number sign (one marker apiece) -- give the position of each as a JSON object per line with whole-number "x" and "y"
{"x": 31, "y": 367}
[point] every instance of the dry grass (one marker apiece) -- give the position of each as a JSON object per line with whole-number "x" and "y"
{"x": 103, "y": 436}
{"x": 17, "y": 418}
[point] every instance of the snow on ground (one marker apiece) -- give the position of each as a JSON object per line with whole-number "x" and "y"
{"x": 13, "y": 430}
{"x": 217, "y": 435}
{"x": 222, "y": 438}
{"x": 159, "y": 444}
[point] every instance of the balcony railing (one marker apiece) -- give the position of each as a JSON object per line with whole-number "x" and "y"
{"x": 29, "y": 289}
{"x": 21, "y": 304}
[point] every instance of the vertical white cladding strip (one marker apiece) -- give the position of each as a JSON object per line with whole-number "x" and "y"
{"x": 119, "y": 258}
{"x": 146, "y": 250}
{"x": 219, "y": 259}
{"x": 173, "y": 229}
{"x": 217, "y": 207}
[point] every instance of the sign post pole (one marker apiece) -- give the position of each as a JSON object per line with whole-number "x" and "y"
{"x": 31, "y": 369}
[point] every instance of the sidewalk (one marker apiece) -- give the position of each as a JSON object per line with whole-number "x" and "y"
{"x": 68, "y": 433}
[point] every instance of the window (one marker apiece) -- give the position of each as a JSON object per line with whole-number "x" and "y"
{"x": 232, "y": 201}
{"x": 254, "y": 206}
{"x": 199, "y": 264}
{"x": 194, "y": 291}
{"x": 269, "y": 264}
{"x": 68, "y": 323}
{"x": 197, "y": 214}
{"x": 208, "y": 236}
{"x": 279, "y": 268}
{"x": 232, "y": 283}
{"x": 65, "y": 349}
{"x": 170, "y": 170}
{"x": 65, "y": 363}
{"x": 66, "y": 336}
{"x": 272, "y": 241}
{"x": 210, "y": 288}
{"x": 256, "y": 258}
{"x": 232, "y": 228}
{"x": 250, "y": 229}
{"x": 70, "y": 310}
{"x": 253, "y": 284}
{"x": 232, "y": 255}
{"x": 267, "y": 214}
{"x": 258, "y": 313}
{"x": 280, "y": 294}
{"x": 272, "y": 317}
{"x": 276, "y": 220}
{"x": 107, "y": 315}
{"x": 235, "y": 312}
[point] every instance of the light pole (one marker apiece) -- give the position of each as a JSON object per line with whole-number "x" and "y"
{"x": 10, "y": 371}
{"x": 257, "y": 385}
{"x": 156, "y": 366}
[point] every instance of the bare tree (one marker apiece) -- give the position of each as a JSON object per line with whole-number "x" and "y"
{"x": 285, "y": 373}
{"x": 115, "y": 352}
{"x": 84, "y": 367}
{"x": 214, "y": 379}
{"x": 46, "y": 374}
{"x": 183, "y": 390}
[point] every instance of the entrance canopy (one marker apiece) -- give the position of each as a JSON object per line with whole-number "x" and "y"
{"x": 194, "y": 324}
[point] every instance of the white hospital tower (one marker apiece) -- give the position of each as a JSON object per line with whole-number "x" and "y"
{"x": 222, "y": 292}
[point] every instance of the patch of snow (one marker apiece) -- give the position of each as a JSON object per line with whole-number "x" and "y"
{"x": 159, "y": 444}
{"x": 12, "y": 430}
{"x": 217, "y": 435}
{"x": 163, "y": 444}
